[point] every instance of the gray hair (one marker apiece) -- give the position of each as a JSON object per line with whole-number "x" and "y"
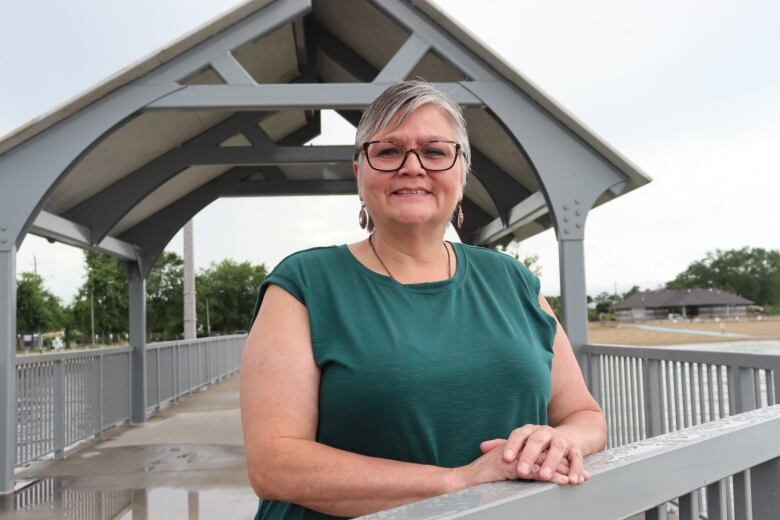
{"x": 398, "y": 102}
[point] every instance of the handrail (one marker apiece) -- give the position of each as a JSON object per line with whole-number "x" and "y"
{"x": 647, "y": 473}
{"x": 174, "y": 342}
{"x": 690, "y": 355}
{"x": 66, "y": 397}
{"x": 27, "y": 359}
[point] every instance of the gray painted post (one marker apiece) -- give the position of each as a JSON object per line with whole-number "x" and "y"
{"x": 743, "y": 506}
{"x": 99, "y": 414}
{"x": 137, "y": 290}
{"x": 765, "y": 490}
{"x": 7, "y": 366}
{"x": 742, "y": 398}
{"x": 573, "y": 293}
{"x": 58, "y": 415}
{"x": 652, "y": 387}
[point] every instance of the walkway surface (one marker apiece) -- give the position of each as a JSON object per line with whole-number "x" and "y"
{"x": 186, "y": 462}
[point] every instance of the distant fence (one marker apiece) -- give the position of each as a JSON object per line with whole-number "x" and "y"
{"x": 66, "y": 397}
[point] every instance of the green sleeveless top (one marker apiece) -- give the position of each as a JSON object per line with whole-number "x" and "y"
{"x": 420, "y": 372}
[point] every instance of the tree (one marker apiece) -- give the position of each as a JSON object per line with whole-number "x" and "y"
{"x": 165, "y": 298}
{"x": 604, "y": 302}
{"x": 531, "y": 262}
{"x": 753, "y": 273}
{"x": 634, "y": 289}
{"x": 105, "y": 289}
{"x": 230, "y": 288}
{"x": 37, "y": 309}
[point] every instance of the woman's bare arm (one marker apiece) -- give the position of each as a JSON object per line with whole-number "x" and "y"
{"x": 279, "y": 399}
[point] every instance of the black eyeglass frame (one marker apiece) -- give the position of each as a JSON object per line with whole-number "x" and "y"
{"x": 407, "y": 151}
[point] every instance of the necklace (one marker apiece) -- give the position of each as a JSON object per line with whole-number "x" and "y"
{"x": 371, "y": 243}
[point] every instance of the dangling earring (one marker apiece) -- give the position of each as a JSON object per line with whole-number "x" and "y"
{"x": 364, "y": 219}
{"x": 459, "y": 216}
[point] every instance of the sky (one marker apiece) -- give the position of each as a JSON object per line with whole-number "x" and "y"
{"x": 687, "y": 90}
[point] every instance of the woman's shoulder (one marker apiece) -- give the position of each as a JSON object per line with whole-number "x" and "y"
{"x": 489, "y": 256}
{"x": 309, "y": 257}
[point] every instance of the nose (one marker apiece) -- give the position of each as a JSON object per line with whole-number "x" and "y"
{"x": 412, "y": 166}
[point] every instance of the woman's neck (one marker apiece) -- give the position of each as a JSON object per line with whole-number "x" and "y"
{"x": 413, "y": 256}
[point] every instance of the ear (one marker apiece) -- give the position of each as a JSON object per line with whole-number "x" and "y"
{"x": 356, "y": 172}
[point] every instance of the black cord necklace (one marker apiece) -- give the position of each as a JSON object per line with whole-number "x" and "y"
{"x": 371, "y": 243}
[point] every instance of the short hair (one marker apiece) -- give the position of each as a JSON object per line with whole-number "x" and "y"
{"x": 398, "y": 102}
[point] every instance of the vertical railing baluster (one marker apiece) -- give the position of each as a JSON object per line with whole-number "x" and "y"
{"x": 743, "y": 506}
{"x": 652, "y": 384}
{"x": 703, "y": 395}
{"x": 59, "y": 404}
{"x": 686, "y": 393}
{"x": 717, "y": 503}
{"x": 722, "y": 391}
{"x": 759, "y": 395}
{"x": 689, "y": 506}
{"x": 101, "y": 397}
{"x": 656, "y": 513}
{"x": 622, "y": 395}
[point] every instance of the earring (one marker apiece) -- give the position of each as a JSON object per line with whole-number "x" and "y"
{"x": 459, "y": 217}
{"x": 364, "y": 219}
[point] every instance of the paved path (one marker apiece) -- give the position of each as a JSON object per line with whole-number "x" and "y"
{"x": 185, "y": 462}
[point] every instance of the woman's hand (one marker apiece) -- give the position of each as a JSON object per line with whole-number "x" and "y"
{"x": 548, "y": 449}
{"x": 542, "y": 453}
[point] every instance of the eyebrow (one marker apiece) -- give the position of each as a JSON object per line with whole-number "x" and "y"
{"x": 425, "y": 139}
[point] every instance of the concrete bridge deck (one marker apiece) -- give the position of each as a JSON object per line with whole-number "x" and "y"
{"x": 187, "y": 462}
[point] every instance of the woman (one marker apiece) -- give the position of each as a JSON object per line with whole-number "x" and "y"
{"x": 403, "y": 367}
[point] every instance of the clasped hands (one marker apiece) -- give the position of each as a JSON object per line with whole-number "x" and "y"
{"x": 530, "y": 452}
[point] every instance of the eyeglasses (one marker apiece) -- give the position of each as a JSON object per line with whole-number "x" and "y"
{"x": 434, "y": 156}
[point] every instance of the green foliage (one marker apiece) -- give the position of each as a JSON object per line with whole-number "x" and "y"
{"x": 531, "y": 262}
{"x": 753, "y": 273}
{"x": 231, "y": 290}
{"x": 37, "y": 309}
{"x": 634, "y": 289}
{"x": 555, "y": 303}
{"x": 165, "y": 298}
{"x": 105, "y": 285}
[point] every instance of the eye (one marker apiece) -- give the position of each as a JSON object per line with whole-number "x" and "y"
{"x": 385, "y": 150}
{"x": 436, "y": 150}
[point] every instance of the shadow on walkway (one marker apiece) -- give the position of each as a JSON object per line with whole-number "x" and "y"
{"x": 185, "y": 462}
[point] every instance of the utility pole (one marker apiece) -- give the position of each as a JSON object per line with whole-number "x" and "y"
{"x": 189, "y": 283}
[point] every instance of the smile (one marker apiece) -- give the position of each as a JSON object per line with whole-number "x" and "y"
{"x": 411, "y": 192}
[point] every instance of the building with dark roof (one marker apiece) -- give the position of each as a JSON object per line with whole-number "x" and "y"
{"x": 688, "y": 303}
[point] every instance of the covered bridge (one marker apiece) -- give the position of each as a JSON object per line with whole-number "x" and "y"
{"x": 225, "y": 112}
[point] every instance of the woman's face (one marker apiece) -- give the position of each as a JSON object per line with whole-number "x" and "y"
{"x": 411, "y": 195}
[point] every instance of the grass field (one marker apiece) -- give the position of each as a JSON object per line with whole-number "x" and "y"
{"x": 629, "y": 334}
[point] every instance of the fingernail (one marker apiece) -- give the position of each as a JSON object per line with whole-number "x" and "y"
{"x": 509, "y": 455}
{"x": 546, "y": 473}
{"x": 523, "y": 469}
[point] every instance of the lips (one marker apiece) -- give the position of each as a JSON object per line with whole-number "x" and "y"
{"x": 411, "y": 191}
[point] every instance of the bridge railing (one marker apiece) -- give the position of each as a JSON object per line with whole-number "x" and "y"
{"x": 647, "y": 391}
{"x": 742, "y": 451}
{"x": 66, "y": 397}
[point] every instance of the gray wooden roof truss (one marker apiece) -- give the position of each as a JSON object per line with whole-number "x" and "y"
{"x": 230, "y": 117}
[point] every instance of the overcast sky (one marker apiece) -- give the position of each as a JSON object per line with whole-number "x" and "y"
{"x": 687, "y": 90}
